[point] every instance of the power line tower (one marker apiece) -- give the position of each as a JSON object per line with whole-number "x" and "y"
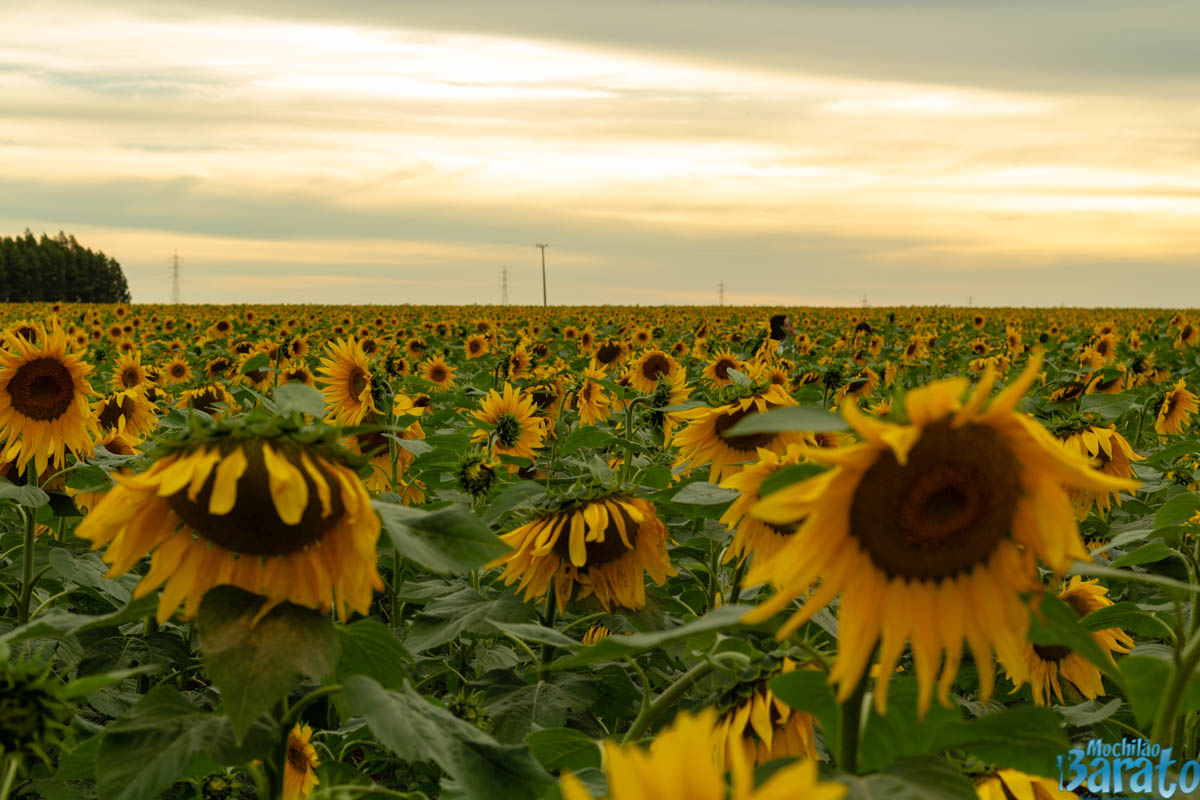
{"x": 865, "y": 303}
{"x": 543, "y": 248}
{"x": 175, "y": 292}
{"x": 504, "y": 286}
{"x": 721, "y": 293}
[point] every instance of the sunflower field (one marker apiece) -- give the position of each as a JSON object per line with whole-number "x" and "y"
{"x": 599, "y": 552}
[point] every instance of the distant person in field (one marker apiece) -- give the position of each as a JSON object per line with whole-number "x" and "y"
{"x": 781, "y": 331}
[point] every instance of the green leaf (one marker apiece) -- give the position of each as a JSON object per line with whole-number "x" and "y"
{"x": 1169, "y": 454}
{"x": 786, "y": 476}
{"x": 809, "y": 419}
{"x": 91, "y": 683}
{"x": 703, "y": 493}
{"x": 1101, "y": 571}
{"x": 899, "y": 733}
{"x": 27, "y": 496}
{"x": 809, "y": 690}
{"x": 257, "y": 664}
{"x": 417, "y": 730}
{"x": 1176, "y": 510}
{"x": 1026, "y": 738}
{"x": 294, "y": 396}
{"x": 163, "y": 740}
{"x": 586, "y": 437}
{"x": 738, "y": 377}
{"x": 370, "y": 648}
{"x": 516, "y": 710}
{"x": 1108, "y": 406}
{"x": 448, "y": 541}
{"x": 520, "y": 493}
{"x": 88, "y": 478}
{"x": 564, "y": 748}
{"x": 1144, "y": 677}
{"x": 259, "y": 361}
{"x": 617, "y": 647}
{"x": 532, "y": 632}
{"x": 57, "y": 623}
{"x": 920, "y": 778}
{"x": 1057, "y": 623}
{"x": 1146, "y": 554}
{"x": 1089, "y": 712}
{"x": 1130, "y": 617}
{"x": 463, "y": 612}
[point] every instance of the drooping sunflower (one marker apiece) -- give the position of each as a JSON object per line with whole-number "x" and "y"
{"x": 764, "y": 727}
{"x": 346, "y": 383}
{"x": 1048, "y": 665}
{"x": 1176, "y": 410}
{"x": 681, "y": 764}
{"x": 128, "y": 372}
{"x": 516, "y": 428}
{"x": 753, "y": 536}
{"x": 703, "y": 440}
{"x": 1112, "y": 456}
{"x": 438, "y": 372}
{"x": 300, "y": 764}
{"x": 266, "y": 513}
{"x": 717, "y": 369}
{"x": 591, "y": 401}
{"x": 44, "y": 400}
{"x": 128, "y": 410}
{"x": 930, "y": 532}
{"x": 643, "y": 375}
{"x": 1009, "y": 784}
{"x": 601, "y": 545}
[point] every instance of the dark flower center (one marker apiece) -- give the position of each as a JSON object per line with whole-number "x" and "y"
{"x": 608, "y": 353}
{"x": 722, "y": 367}
{"x": 747, "y": 443}
{"x": 599, "y": 553}
{"x": 112, "y": 411}
{"x": 944, "y": 511}
{"x": 253, "y": 527}
{"x": 654, "y": 366}
{"x": 358, "y": 382}
{"x": 42, "y": 389}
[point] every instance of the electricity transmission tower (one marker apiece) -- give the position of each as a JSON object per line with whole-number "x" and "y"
{"x": 504, "y": 286}
{"x": 721, "y": 292}
{"x": 174, "y": 272}
{"x": 543, "y": 248}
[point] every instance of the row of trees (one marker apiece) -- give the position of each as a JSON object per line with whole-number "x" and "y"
{"x": 58, "y": 269}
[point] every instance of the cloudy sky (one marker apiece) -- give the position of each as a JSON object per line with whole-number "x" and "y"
{"x": 1013, "y": 153}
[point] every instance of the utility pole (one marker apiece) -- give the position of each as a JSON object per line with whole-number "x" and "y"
{"x": 543, "y": 247}
{"x": 504, "y": 286}
{"x": 175, "y": 299}
{"x": 721, "y": 292}
{"x": 865, "y": 303}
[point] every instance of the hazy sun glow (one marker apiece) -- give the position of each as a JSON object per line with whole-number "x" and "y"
{"x": 419, "y": 162}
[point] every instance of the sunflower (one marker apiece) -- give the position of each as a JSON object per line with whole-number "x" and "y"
{"x": 347, "y": 383}
{"x": 611, "y": 354}
{"x": 590, "y": 400}
{"x": 177, "y": 370}
{"x": 1049, "y": 664}
{"x": 207, "y": 398}
{"x": 717, "y": 369}
{"x": 129, "y": 410}
{"x": 44, "y": 393}
{"x": 1176, "y": 411}
{"x": 764, "y": 727}
{"x": 516, "y": 431}
{"x": 267, "y": 514}
{"x": 603, "y": 545}
{"x": 754, "y": 536}
{"x": 380, "y": 449}
{"x": 476, "y": 346}
{"x": 703, "y": 441}
{"x": 295, "y": 372}
{"x": 128, "y": 372}
{"x": 117, "y": 442}
{"x": 681, "y": 764}
{"x": 1112, "y": 455}
{"x": 930, "y": 531}
{"x": 596, "y": 633}
{"x": 219, "y": 329}
{"x": 300, "y": 764}
{"x": 1009, "y": 784}
{"x": 668, "y": 392}
{"x": 438, "y": 372}
{"x": 218, "y": 367}
{"x": 1188, "y": 336}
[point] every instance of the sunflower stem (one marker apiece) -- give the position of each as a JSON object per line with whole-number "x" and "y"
{"x": 27, "y": 579}
{"x": 9, "y": 777}
{"x": 1181, "y": 672}
{"x": 293, "y": 714}
{"x": 550, "y": 617}
{"x": 665, "y": 700}
{"x": 735, "y": 587}
{"x": 851, "y": 724}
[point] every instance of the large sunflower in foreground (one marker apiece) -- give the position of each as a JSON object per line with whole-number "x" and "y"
{"x": 1049, "y": 665}
{"x": 346, "y": 382}
{"x": 930, "y": 532}
{"x": 681, "y": 765}
{"x": 516, "y": 429}
{"x": 44, "y": 393}
{"x": 601, "y": 545}
{"x": 703, "y": 441}
{"x": 268, "y": 514}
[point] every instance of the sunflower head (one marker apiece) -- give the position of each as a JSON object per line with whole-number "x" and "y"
{"x": 32, "y": 715}
{"x": 274, "y": 511}
{"x": 346, "y": 383}
{"x": 299, "y": 764}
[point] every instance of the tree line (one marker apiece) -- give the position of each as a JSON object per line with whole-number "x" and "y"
{"x": 57, "y": 269}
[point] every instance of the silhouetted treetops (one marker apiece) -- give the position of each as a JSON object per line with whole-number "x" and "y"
{"x": 58, "y": 269}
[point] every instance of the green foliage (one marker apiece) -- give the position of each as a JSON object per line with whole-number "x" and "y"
{"x": 59, "y": 268}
